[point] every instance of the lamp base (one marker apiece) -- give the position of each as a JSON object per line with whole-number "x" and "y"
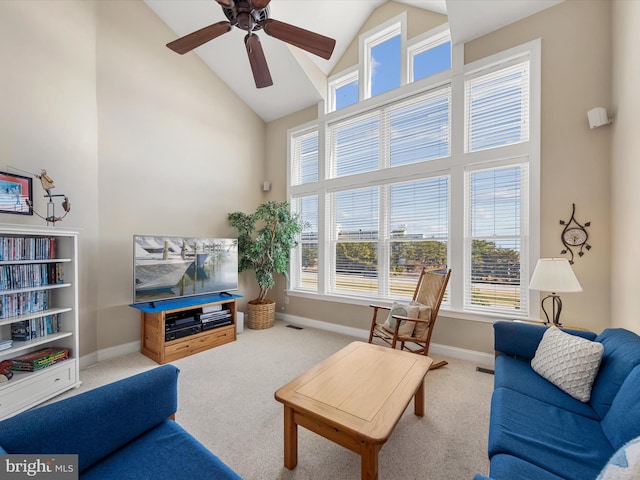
{"x": 556, "y": 308}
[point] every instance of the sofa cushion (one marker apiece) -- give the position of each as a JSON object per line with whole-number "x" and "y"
{"x": 569, "y": 362}
{"x": 521, "y": 339}
{"x": 621, "y": 355}
{"x": 517, "y": 374}
{"x": 165, "y": 452}
{"x": 508, "y": 467}
{"x": 622, "y": 421}
{"x": 625, "y": 463}
{"x": 549, "y": 437}
{"x": 150, "y": 398}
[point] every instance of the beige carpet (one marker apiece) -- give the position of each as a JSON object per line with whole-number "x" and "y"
{"x": 226, "y": 401}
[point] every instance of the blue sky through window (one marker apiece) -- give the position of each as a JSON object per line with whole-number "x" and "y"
{"x": 385, "y": 66}
{"x": 432, "y": 61}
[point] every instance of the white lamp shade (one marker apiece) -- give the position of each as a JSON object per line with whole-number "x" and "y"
{"x": 554, "y": 275}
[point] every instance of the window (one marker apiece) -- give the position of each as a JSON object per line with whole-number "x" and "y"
{"x": 496, "y": 236}
{"x": 497, "y": 109}
{"x": 381, "y": 52}
{"x": 343, "y": 90}
{"x": 384, "y": 73}
{"x": 411, "y": 182}
{"x": 305, "y": 258}
{"x": 430, "y": 55}
{"x": 304, "y": 148}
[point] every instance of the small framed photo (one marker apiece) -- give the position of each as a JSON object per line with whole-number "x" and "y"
{"x": 16, "y": 194}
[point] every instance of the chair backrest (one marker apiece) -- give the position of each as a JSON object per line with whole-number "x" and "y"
{"x": 430, "y": 291}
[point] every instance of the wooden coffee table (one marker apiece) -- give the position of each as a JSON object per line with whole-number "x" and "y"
{"x": 355, "y": 399}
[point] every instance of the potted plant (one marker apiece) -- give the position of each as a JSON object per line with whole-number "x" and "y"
{"x": 265, "y": 240}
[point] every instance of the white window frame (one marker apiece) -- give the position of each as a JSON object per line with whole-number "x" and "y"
{"x": 428, "y": 40}
{"x": 454, "y": 165}
{"x": 340, "y": 80}
{"x": 367, "y": 41}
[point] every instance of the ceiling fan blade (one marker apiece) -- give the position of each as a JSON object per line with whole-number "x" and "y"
{"x": 189, "y": 42}
{"x": 258, "y": 62}
{"x": 301, "y": 38}
{"x": 259, "y": 4}
{"x": 226, "y": 3}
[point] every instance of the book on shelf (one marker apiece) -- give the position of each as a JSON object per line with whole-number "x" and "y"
{"x": 35, "y": 327}
{"x": 39, "y": 359}
{"x": 4, "y": 344}
{"x": 27, "y": 248}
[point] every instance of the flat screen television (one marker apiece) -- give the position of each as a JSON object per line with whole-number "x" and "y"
{"x": 172, "y": 267}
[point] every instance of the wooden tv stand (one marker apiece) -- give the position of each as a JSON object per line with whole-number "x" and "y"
{"x": 153, "y": 318}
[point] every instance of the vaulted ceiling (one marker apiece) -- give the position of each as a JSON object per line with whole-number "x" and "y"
{"x": 290, "y": 67}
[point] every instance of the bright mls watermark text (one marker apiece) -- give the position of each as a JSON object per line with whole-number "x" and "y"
{"x": 49, "y": 467}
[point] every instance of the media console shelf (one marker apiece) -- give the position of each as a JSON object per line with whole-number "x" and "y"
{"x": 164, "y": 344}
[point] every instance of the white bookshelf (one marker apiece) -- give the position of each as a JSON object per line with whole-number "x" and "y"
{"x": 28, "y": 389}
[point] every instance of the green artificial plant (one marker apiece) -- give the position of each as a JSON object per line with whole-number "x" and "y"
{"x": 265, "y": 240}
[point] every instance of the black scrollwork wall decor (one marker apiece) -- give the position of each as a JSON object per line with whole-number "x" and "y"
{"x": 574, "y": 236}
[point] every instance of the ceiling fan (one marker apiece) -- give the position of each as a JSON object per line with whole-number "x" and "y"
{"x": 250, "y": 16}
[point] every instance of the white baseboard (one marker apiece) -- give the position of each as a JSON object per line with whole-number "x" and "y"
{"x": 109, "y": 353}
{"x": 481, "y": 358}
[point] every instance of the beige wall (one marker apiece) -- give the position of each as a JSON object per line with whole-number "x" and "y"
{"x": 143, "y": 140}
{"x": 49, "y": 120}
{"x": 171, "y": 153}
{"x": 625, "y": 283}
{"x": 575, "y": 163}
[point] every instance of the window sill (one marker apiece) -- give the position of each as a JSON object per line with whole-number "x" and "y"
{"x": 445, "y": 310}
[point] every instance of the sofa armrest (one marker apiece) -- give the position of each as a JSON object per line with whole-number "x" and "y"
{"x": 521, "y": 339}
{"x": 95, "y": 423}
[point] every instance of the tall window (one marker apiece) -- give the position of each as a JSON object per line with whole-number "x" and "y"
{"x": 400, "y": 191}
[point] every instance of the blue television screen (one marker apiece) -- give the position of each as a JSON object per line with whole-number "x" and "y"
{"x": 172, "y": 267}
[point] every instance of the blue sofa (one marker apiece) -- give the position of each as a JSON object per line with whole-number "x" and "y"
{"x": 121, "y": 430}
{"x": 538, "y": 432}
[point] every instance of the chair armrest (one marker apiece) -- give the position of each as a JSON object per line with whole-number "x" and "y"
{"x": 382, "y": 307}
{"x": 411, "y": 319}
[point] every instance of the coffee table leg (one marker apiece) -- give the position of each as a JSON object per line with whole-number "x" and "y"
{"x": 290, "y": 439}
{"x": 369, "y": 461}
{"x": 418, "y": 400}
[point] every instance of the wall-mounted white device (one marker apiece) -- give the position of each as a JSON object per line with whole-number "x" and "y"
{"x": 598, "y": 117}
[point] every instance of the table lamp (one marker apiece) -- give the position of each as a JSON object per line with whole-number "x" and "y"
{"x": 554, "y": 275}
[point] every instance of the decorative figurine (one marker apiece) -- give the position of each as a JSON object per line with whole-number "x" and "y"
{"x": 574, "y": 235}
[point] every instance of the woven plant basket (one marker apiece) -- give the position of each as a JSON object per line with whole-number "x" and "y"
{"x": 261, "y": 315}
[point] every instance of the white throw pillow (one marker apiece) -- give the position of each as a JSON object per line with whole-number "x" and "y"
{"x": 424, "y": 313}
{"x": 569, "y": 362}
{"x": 406, "y": 328}
{"x": 625, "y": 463}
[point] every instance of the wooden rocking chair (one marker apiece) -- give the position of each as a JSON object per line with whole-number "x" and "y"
{"x": 426, "y": 301}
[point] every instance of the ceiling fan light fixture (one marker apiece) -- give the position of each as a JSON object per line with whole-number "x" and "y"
{"x": 250, "y": 16}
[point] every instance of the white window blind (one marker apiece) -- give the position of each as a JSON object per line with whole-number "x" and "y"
{"x": 353, "y": 246}
{"x": 418, "y": 231}
{"x": 497, "y": 239}
{"x": 420, "y": 128}
{"x": 497, "y": 107}
{"x": 409, "y": 131}
{"x": 354, "y": 144}
{"x": 305, "y": 255}
{"x": 304, "y": 164}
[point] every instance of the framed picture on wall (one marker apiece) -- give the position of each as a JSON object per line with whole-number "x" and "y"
{"x": 16, "y": 194}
